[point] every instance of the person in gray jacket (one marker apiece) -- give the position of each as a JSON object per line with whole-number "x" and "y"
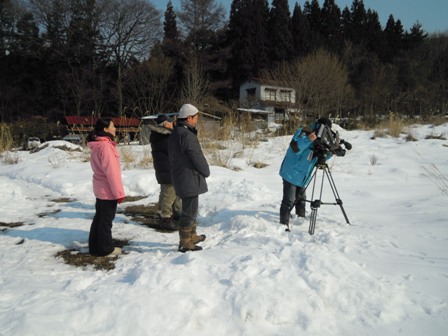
{"x": 188, "y": 168}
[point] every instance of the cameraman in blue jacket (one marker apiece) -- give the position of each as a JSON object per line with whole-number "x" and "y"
{"x": 296, "y": 169}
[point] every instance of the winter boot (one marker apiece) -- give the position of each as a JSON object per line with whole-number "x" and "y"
{"x": 194, "y": 236}
{"x": 185, "y": 241}
{"x": 168, "y": 224}
{"x": 176, "y": 220}
{"x": 284, "y": 215}
{"x": 115, "y": 253}
{"x": 300, "y": 212}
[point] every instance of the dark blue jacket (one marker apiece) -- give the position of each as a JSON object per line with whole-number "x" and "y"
{"x": 189, "y": 168}
{"x": 159, "y": 146}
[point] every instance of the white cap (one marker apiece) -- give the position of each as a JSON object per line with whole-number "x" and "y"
{"x": 187, "y": 110}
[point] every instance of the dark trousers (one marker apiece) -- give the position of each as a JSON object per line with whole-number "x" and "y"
{"x": 292, "y": 196}
{"x": 100, "y": 237}
{"x": 190, "y": 207}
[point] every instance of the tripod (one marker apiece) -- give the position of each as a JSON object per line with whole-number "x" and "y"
{"x": 315, "y": 204}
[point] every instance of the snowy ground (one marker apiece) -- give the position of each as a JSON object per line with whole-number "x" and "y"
{"x": 385, "y": 274}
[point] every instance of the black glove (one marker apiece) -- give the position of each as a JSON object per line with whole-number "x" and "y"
{"x": 294, "y": 146}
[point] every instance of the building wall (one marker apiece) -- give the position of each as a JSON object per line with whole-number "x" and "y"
{"x": 265, "y": 93}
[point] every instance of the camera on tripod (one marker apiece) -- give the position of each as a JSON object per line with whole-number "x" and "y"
{"x": 328, "y": 143}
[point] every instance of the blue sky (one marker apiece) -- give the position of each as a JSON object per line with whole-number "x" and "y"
{"x": 430, "y": 13}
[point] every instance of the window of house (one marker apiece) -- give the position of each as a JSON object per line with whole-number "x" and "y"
{"x": 286, "y": 95}
{"x": 270, "y": 94}
{"x": 251, "y": 93}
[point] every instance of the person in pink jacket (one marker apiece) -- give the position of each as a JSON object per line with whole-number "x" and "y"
{"x": 107, "y": 187}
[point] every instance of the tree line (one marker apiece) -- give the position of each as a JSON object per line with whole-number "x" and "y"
{"x": 126, "y": 58}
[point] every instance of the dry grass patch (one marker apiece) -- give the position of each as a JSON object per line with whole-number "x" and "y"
{"x": 10, "y": 158}
{"x": 48, "y": 213}
{"x": 436, "y": 176}
{"x": 131, "y": 158}
{"x": 127, "y": 157}
{"x": 63, "y": 200}
{"x": 11, "y": 224}
{"x": 6, "y": 140}
{"x": 143, "y": 210}
{"x": 259, "y": 164}
{"x": 76, "y": 258}
{"x": 147, "y": 160}
{"x": 437, "y": 137}
{"x": 133, "y": 198}
{"x": 410, "y": 137}
{"x": 146, "y": 215}
{"x": 393, "y": 126}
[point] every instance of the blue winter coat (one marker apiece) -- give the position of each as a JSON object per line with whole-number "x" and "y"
{"x": 298, "y": 165}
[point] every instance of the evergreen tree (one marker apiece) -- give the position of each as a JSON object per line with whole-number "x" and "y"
{"x": 6, "y": 26}
{"x": 248, "y": 35}
{"x": 374, "y": 33}
{"x": 171, "y": 33}
{"x": 312, "y": 12}
{"x": 331, "y": 27}
{"x": 281, "y": 44}
{"x": 300, "y": 32}
{"x": 56, "y": 33}
{"x": 171, "y": 47}
{"x": 346, "y": 21}
{"x": 356, "y": 31}
{"x": 82, "y": 36}
{"x": 393, "y": 34}
{"x": 238, "y": 38}
{"x": 27, "y": 40}
{"x": 415, "y": 37}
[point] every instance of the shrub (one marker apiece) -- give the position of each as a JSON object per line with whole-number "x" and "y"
{"x": 393, "y": 126}
{"x": 6, "y": 140}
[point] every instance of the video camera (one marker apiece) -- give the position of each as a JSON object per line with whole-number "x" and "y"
{"x": 328, "y": 142}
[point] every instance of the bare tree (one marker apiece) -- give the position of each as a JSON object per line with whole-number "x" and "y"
{"x": 320, "y": 80}
{"x": 54, "y": 17}
{"x": 148, "y": 85}
{"x": 201, "y": 15}
{"x": 129, "y": 29}
{"x": 196, "y": 84}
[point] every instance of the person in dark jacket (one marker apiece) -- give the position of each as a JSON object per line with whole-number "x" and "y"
{"x": 189, "y": 169}
{"x": 169, "y": 203}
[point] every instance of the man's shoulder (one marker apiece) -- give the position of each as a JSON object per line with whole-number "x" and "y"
{"x": 184, "y": 130}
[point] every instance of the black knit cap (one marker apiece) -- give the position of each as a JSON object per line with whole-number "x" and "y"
{"x": 161, "y": 118}
{"x": 325, "y": 121}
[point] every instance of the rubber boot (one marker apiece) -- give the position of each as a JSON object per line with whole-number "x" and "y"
{"x": 185, "y": 241}
{"x": 194, "y": 236}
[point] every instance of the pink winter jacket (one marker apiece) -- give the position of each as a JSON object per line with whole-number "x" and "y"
{"x": 105, "y": 162}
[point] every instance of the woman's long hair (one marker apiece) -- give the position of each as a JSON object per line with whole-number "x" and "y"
{"x": 100, "y": 125}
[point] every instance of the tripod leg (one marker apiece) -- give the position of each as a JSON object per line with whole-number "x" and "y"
{"x": 335, "y": 192}
{"x": 312, "y": 221}
{"x": 343, "y": 212}
{"x": 315, "y": 204}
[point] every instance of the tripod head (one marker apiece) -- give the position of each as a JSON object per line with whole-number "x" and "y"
{"x": 328, "y": 141}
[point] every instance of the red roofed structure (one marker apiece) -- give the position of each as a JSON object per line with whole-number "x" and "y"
{"x": 78, "y": 124}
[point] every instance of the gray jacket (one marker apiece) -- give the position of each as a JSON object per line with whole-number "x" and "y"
{"x": 188, "y": 166}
